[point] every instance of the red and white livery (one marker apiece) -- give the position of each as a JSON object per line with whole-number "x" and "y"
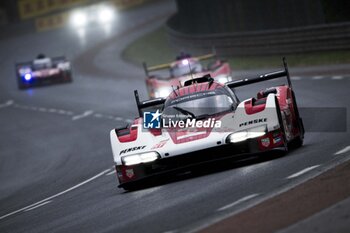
{"x": 184, "y": 68}
{"x": 268, "y": 121}
{"x": 43, "y": 70}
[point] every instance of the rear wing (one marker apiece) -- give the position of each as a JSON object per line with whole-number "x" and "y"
{"x": 142, "y": 105}
{"x": 59, "y": 59}
{"x": 167, "y": 65}
{"x": 30, "y": 63}
{"x": 263, "y": 77}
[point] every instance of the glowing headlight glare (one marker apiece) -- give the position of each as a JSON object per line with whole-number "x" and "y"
{"x": 256, "y": 132}
{"x": 131, "y": 160}
{"x": 162, "y": 92}
{"x": 139, "y": 158}
{"x": 79, "y": 19}
{"x": 246, "y": 134}
{"x": 222, "y": 78}
{"x": 27, "y": 76}
{"x": 148, "y": 157}
{"x": 105, "y": 15}
{"x": 185, "y": 62}
{"x": 238, "y": 137}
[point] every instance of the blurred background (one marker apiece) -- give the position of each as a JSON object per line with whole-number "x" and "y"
{"x": 312, "y": 32}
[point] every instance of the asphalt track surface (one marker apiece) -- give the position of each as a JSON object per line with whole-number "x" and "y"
{"x": 55, "y": 158}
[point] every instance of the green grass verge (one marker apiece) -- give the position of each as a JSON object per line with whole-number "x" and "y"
{"x": 154, "y": 48}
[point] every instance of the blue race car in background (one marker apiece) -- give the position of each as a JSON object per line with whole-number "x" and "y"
{"x": 43, "y": 70}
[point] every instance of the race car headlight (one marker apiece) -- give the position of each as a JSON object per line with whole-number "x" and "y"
{"x": 105, "y": 15}
{"x": 223, "y": 78}
{"x": 27, "y": 76}
{"x": 79, "y": 19}
{"x": 140, "y": 158}
{"x": 63, "y": 66}
{"x": 246, "y": 134}
{"x": 162, "y": 92}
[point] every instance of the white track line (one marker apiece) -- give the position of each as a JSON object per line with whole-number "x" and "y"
{"x": 60, "y": 111}
{"x": 302, "y": 172}
{"x": 37, "y": 206}
{"x": 64, "y": 112}
{"x": 238, "y": 201}
{"x": 52, "y": 110}
{"x": 58, "y": 194}
{"x": 337, "y": 77}
{"x": 85, "y": 114}
{"x": 317, "y": 77}
{"x": 110, "y": 173}
{"x": 342, "y": 151}
{"x": 295, "y": 78}
{"x": 6, "y": 104}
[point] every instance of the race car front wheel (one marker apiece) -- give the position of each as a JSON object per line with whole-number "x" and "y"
{"x": 280, "y": 121}
{"x": 21, "y": 85}
{"x": 299, "y": 140}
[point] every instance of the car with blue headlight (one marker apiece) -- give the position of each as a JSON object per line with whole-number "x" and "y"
{"x": 43, "y": 70}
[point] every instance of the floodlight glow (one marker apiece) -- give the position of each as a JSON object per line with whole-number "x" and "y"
{"x": 105, "y": 15}
{"x": 79, "y": 19}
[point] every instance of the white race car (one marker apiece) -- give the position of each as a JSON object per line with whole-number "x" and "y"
{"x": 203, "y": 121}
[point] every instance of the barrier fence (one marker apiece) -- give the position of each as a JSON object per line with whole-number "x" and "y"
{"x": 282, "y": 41}
{"x": 52, "y": 14}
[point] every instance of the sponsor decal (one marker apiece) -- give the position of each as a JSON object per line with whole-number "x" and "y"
{"x": 160, "y": 144}
{"x": 132, "y": 149}
{"x": 265, "y": 142}
{"x": 129, "y": 173}
{"x": 276, "y": 140}
{"x": 153, "y": 120}
{"x": 255, "y": 121}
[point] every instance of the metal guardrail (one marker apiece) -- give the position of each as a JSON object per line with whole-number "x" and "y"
{"x": 281, "y": 41}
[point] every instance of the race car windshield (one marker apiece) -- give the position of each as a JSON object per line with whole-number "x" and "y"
{"x": 185, "y": 67}
{"x": 198, "y": 108}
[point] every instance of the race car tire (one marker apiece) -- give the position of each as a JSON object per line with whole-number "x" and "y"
{"x": 69, "y": 77}
{"x": 280, "y": 121}
{"x": 130, "y": 187}
{"x": 20, "y": 84}
{"x": 299, "y": 140}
